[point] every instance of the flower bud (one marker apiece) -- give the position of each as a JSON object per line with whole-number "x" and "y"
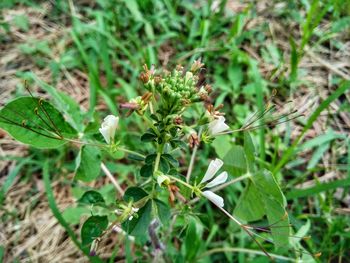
{"x": 144, "y": 77}
{"x": 163, "y": 179}
{"x": 188, "y": 76}
{"x": 157, "y": 80}
{"x": 178, "y": 120}
{"x": 197, "y": 64}
{"x": 193, "y": 140}
{"x": 108, "y": 127}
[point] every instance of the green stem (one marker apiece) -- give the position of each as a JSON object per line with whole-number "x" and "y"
{"x": 105, "y": 146}
{"x": 156, "y": 163}
{"x": 193, "y": 156}
{"x": 159, "y": 153}
{"x": 150, "y": 123}
{"x": 131, "y": 152}
{"x": 181, "y": 182}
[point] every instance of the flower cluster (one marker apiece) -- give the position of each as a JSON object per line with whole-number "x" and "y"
{"x": 177, "y": 89}
{"x": 213, "y": 168}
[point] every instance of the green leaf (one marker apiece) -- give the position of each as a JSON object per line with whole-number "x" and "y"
{"x": 139, "y": 224}
{"x": 88, "y": 163}
{"x": 235, "y": 161}
{"x": 150, "y": 158}
{"x": 134, "y": 194}
{"x": 2, "y": 253}
{"x": 263, "y": 196}
{"x": 249, "y": 150}
{"x": 69, "y": 107}
{"x": 91, "y": 197}
{"x": 274, "y": 203}
{"x": 250, "y": 207}
{"x": 275, "y": 214}
{"x": 321, "y": 187}
{"x": 22, "y": 22}
{"x": 172, "y": 161}
{"x": 222, "y": 145}
{"x": 164, "y": 165}
{"x": 10, "y": 178}
{"x": 317, "y": 155}
{"x": 163, "y": 211}
{"x": 135, "y": 157}
{"x": 146, "y": 170}
{"x": 267, "y": 186}
{"x": 73, "y": 214}
{"x": 148, "y": 137}
{"x": 19, "y": 119}
{"x": 193, "y": 240}
{"x": 93, "y": 228}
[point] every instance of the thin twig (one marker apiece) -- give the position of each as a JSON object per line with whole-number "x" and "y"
{"x": 193, "y": 156}
{"x": 111, "y": 177}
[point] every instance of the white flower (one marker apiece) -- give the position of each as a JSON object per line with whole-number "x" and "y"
{"x": 217, "y": 126}
{"x": 220, "y": 179}
{"x": 216, "y": 199}
{"x": 213, "y": 168}
{"x": 108, "y": 127}
{"x": 133, "y": 210}
{"x": 163, "y": 179}
{"x": 188, "y": 76}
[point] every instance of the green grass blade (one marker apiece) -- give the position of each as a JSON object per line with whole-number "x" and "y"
{"x": 11, "y": 178}
{"x": 291, "y": 150}
{"x": 321, "y": 187}
{"x": 56, "y": 212}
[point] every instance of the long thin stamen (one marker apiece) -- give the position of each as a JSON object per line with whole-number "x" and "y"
{"x": 246, "y": 230}
{"x": 262, "y": 125}
{"x": 230, "y": 216}
{"x": 42, "y": 119}
{"x": 44, "y": 110}
{"x": 23, "y": 125}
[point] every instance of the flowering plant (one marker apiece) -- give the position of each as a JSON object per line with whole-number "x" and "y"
{"x": 178, "y": 117}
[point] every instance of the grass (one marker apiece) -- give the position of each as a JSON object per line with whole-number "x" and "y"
{"x": 94, "y": 51}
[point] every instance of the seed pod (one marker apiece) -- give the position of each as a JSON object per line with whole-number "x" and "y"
{"x": 144, "y": 77}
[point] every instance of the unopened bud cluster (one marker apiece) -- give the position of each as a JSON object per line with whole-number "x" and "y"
{"x": 177, "y": 89}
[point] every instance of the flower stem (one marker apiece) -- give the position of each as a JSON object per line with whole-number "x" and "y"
{"x": 111, "y": 177}
{"x": 156, "y": 163}
{"x": 130, "y": 152}
{"x": 245, "y": 228}
{"x": 181, "y": 182}
{"x": 104, "y": 146}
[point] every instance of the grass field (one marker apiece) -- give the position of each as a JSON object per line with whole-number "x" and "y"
{"x": 293, "y": 54}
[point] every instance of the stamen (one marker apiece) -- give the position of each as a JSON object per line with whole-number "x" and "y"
{"x": 41, "y": 106}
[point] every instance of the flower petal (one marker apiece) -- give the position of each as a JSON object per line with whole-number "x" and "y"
{"x": 218, "y": 126}
{"x": 214, "y": 166}
{"x": 108, "y": 127}
{"x": 220, "y": 179}
{"x": 105, "y": 131}
{"x": 216, "y": 199}
{"x": 163, "y": 179}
